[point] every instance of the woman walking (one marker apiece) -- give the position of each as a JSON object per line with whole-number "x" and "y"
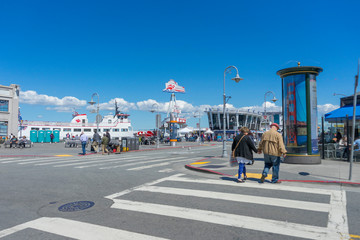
{"x": 242, "y": 148}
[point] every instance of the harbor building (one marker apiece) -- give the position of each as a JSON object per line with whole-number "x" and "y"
{"x": 9, "y": 109}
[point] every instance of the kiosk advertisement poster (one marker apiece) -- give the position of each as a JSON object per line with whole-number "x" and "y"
{"x": 173, "y": 131}
{"x": 313, "y": 114}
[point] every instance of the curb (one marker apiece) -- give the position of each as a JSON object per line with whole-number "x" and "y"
{"x": 353, "y": 184}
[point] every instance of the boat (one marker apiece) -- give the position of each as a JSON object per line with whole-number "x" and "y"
{"x": 118, "y": 125}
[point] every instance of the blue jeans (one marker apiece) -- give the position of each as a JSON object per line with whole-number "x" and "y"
{"x": 274, "y": 162}
{"x": 242, "y": 169}
{"x": 83, "y": 145}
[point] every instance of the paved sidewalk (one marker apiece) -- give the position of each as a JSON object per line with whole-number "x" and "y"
{"x": 329, "y": 171}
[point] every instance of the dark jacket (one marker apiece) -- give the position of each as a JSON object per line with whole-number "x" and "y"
{"x": 245, "y": 148}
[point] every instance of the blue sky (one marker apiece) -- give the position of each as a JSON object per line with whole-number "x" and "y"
{"x": 60, "y": 52}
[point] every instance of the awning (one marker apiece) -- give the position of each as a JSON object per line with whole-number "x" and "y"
{"x": 339, "y": 115}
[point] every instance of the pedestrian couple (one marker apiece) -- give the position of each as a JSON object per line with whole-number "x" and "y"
{"x": 271, "y": 144}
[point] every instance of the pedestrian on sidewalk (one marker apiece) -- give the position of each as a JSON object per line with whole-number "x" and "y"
{"x": 242, "y": 148}
{"x": 105, "y": 142}
{"x": 83, "y": 139}
{"x": 272, "y": 145}
{"x": 96, "y": 141}
{"x": 52, "y": 138}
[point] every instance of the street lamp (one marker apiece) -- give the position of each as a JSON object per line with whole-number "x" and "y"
{"x": 339, "y": 94}
{"x": 273, "y": 100}
{"x": 98, "y": 116}
{"x": 199, "y": 116}
{"x": 237, "y": 79}
{"x": 156, "y": 122}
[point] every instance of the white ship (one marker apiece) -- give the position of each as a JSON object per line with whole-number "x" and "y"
{"x": 118, "y": 125}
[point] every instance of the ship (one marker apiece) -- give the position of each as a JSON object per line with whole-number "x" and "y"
{"x": 118, "y": 125}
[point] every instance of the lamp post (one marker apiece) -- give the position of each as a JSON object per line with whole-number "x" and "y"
{"x": 339, "y": 94}
{"x": 273, "y": 100}
{"x": 156, "y": 122}
{"x": 98, "y": 117}
{"x": 199, "y": 116}
{"x": 237, "y": 79}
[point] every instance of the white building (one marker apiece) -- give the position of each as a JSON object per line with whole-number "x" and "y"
{"x": 9, "y": 109}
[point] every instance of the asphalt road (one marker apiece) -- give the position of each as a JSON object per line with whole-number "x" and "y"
{"x": 150, "y": 195}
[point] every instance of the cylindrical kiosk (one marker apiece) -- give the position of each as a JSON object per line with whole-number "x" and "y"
{"x": 299, "y": 108}
{"x": 34, "y": 136}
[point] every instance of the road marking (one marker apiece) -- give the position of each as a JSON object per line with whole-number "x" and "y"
{"x": 123, "y": 160}
{"x": 256, "y": 175}
{"x": 241, "y": 221}
{"x": 354, "y": 236}
{"x": 167, "y": 170}
{"x": 338, "y": 214}
{"x": 155, "y": 165}
{"x": 198, "y": 163}
{"x": 278, "y": 202}
{"x": 115, "y": 195}
{"x": 142, "y": 162}
{"x": 77, "y": 230}
{"x": 255, "y": 185}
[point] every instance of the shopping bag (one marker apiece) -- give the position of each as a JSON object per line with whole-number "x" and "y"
{"x": 233, "y": 162}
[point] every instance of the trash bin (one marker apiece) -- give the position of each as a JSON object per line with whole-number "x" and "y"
{"x": 41, "y": 134}
{"x": 56, "y": 136}
{"x": 33, "y": 135}
{"x": 124, "y": 144}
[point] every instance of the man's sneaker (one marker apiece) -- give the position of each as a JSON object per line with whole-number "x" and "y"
{"x": 262, "y": 179}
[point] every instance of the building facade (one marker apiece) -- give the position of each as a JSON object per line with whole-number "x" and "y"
{"x": 9, "y": 109}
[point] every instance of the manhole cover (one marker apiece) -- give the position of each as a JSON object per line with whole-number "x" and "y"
{"x": 76, "y": 206}
{"x": 304, "y": 173}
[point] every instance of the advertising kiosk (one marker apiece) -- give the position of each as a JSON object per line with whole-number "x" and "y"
{"x": 299, "y": 106}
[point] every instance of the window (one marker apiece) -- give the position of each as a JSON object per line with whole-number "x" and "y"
{"x": 4, "y": 105}
{"x": 106, "y": 129}
{"x": 109, "y": 121}
{"x": 3, "y": 128}
{"x": 45, "y": 128}
{"x": 67, "y": 130}
{"x": 77, "y": 129}
{"x": 87, "y": 130}
{"x": 115, "y": 130}
{"x": 35, "y": 128}
{"x": 124, "y": 130}
{"x": 57, "y": 129}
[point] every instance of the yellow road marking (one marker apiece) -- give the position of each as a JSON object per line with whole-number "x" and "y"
{"x": 198, "y": 163}
{"x": 256, "y": 175}
{"x": 65, "y": 155}
{"x": 354, "y": 236}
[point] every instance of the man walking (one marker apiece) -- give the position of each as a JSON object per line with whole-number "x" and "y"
{"x": 83, "y": 139}
{"x": 272, "y": 145}
{"x": 96, "y": 141}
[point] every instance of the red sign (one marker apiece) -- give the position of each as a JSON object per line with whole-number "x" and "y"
{"x": 182, "y": 120}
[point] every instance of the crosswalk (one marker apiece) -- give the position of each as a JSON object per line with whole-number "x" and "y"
{"x": 133, "y": 162}
{"x": 214, "y": 196}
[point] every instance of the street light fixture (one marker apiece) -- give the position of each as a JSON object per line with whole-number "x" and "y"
{"x": 98, "y": 116}
{"x": 199, "y": 116}
{"x": 339, "y": 94}
{"x": 156, "y": 122}
{"x": 273, "y": 100}
{"x": 237, "y": 79}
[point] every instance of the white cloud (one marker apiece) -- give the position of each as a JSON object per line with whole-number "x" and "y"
{"x": 322, "y": 109}
{"x": 32, "y": 97}
{"x": 123, "y": 105}
{"x": 61, "y": 109}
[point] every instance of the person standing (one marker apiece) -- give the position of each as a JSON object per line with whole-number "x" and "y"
{"x": 105, "y": 143}
{"x": 242, "y": 148}
{"x": 96, "y": 141}
{"x": 51, "y": 138}
{"x": 83, "y": 139}
{"x": 108, "y": 135}
{"x": 272, "y": 145}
